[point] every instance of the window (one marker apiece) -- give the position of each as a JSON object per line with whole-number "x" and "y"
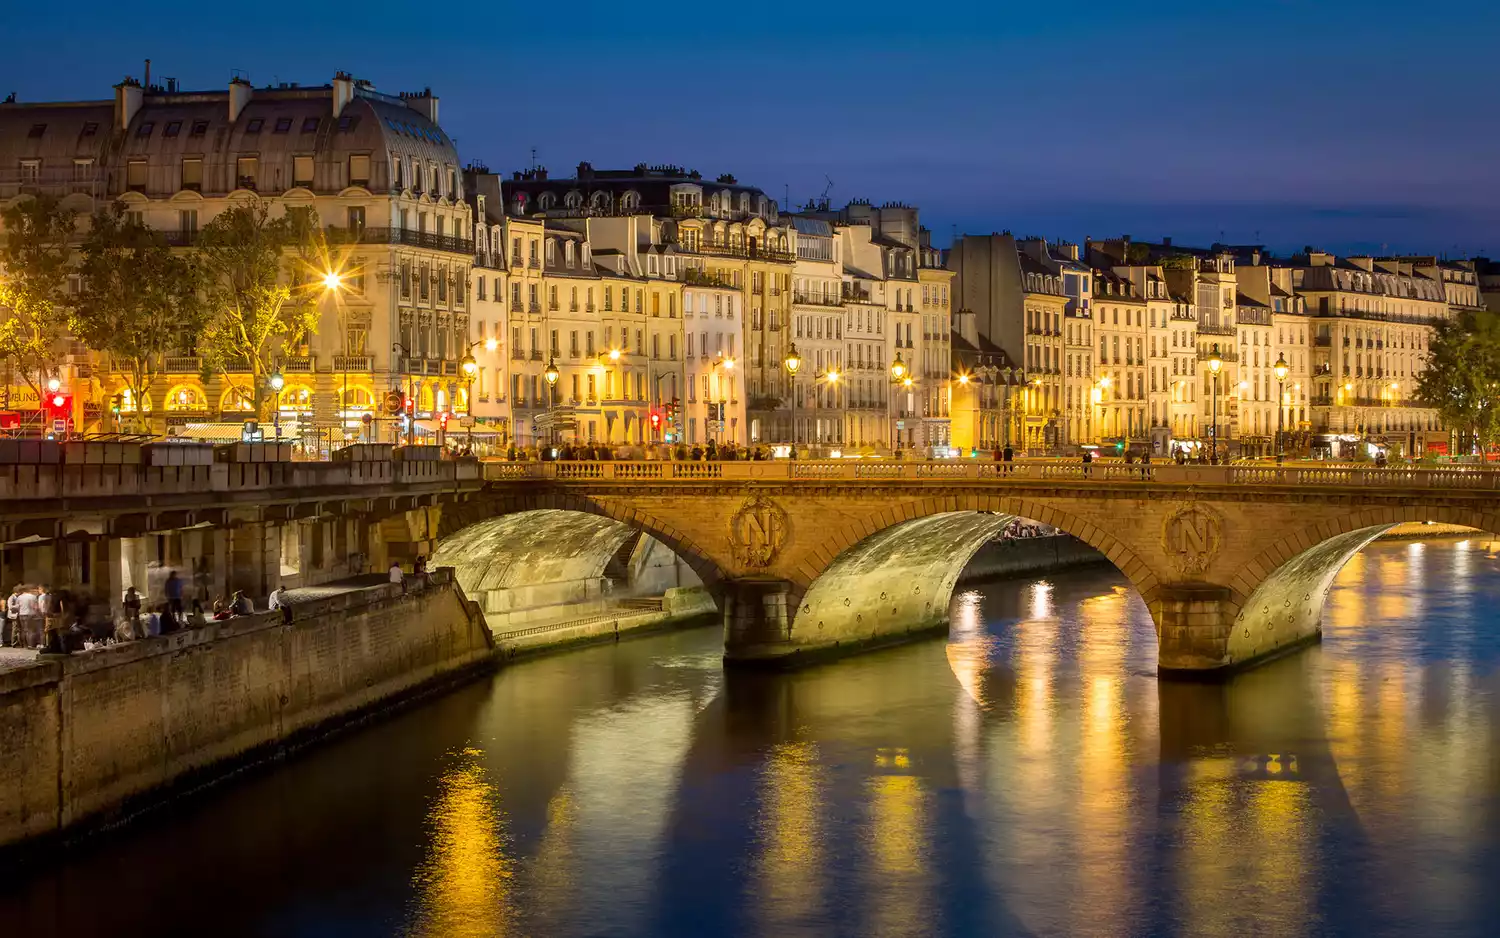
{"x": 172, "y": 129}
{"x": 246, "y": 169}
{"x": 348, "y": 122}
{"x": 187, "y": 221}
{"x": 302, "y": 171}
{"x": 359, "y": 170}
{"x": 309, "y": 124}
{"x": 36, "y": 131}
{"x": 83, "y": 170}
{"x": 90, "y": 129}
{"x": 283, "y": 125}
{"x": 135, "y": 175}
{"x": 145, "y": 129}
{"x": 31, "y": 170}
{"x": 200, "y": 128}
{"x": 355, "y": 216}
{"x": 254, "y": 126}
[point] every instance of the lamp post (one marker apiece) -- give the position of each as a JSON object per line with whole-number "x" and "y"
{"x": 551, "y": 374}
{"x": 831, "y": 378}
{"x": 277, "y": 382}
{"x": 898, "y": 376}
{"x": 1214, "y": 364}
{"x": 728, "y": 365}
{"x": 792, "y": 363}
{"x": 411, "y": 419}
{"x": 470, "y": 368}
{"x": 1281, "y": 370}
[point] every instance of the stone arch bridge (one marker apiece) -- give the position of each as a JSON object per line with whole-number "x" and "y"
{"x": 813, "y": 558}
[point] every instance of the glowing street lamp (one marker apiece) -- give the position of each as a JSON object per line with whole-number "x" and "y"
{"x": 333, "y": 280}
{"x": 898, "y": 368}
{"x": 793, "y": 362}
{"x": 277, "y": 381}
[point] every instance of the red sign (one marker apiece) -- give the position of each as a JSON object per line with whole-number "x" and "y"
{"x": 1437, "y": 447}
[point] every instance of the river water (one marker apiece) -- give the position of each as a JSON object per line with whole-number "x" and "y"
{"x": 1030, "y": 776}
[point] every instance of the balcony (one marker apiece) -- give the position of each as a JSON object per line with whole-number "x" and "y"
{"x": 534, "y": 308}
{"x": 1322, "y": 341}
{"x": 353, "y": 363}
{"x": 299, "y": 364}
{"x": 746, "y": 251}
{"x": 817, "y": 299}
{"x": 1204, "y": 329}
{"x": 1228, "y": 356}
{"x": 182, "y": 365}
{"x": 515, "y": 306}
{"x": 419, "y": 239}
{"x": 1253, "y": 317}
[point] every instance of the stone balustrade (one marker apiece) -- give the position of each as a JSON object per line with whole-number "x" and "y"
{"x": 1099, "y": 473}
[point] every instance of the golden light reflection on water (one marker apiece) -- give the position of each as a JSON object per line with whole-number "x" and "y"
{"x": 898, "y": 852}
{"x": 1414, "y": 738}
{"x": 464, "y": 887}
{"x": 789, "y": 868}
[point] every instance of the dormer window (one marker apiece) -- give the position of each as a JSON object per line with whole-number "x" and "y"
{"x": 309, "y": 125}
{"x": 254, "y": 126}
{"x": 145, "y": 129}
{"x": 283, "y": 125}
{"x": 172, "y": 129}
{"x": 36, "y": 131}
{"x": 200, "y": 128}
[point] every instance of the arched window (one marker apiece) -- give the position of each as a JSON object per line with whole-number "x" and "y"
{"x": 236, "y": 399}
{"x": 545, "y": 201}
{"x": 599, "y": 202}
{"x": 630, "y": 201}
{"x": 359, "y": 399}
{"x": 573, "y": 199}
{"x": 186, "y": 397}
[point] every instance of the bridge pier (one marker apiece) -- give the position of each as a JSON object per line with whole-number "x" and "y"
{"x": 758, "y": 620}
{"x": 1192, "y": 629}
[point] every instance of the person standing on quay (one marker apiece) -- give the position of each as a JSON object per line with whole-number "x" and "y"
{"x": 132, "y": 603}
{"x": 174, "y": 593}
{"x": 12, "y": 631}
{"x": 397, "y": 577}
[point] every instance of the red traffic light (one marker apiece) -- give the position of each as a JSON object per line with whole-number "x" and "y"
{"x": 59, "y": 405}
{"x": 655, "y": 420}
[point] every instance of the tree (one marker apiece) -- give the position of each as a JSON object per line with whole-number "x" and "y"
{"x": 34, "y": 288}
{"x": 138, "y": 300}
{"x": 1461, "y": 376}
{"x": 259, "y": 297}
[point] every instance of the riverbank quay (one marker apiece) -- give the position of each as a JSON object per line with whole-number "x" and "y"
{"x": 91, "y": 738}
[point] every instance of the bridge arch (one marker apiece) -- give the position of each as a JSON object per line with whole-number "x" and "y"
{"x": 1280, "y": 594}
{"x": 881, "y": 577}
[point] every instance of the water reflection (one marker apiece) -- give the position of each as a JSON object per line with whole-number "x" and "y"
{"x": 463, "y": 888}
{"x": 1031, "y": 776}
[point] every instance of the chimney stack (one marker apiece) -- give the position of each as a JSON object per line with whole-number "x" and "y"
{"x": 239, "y": 96}
{"x": 128, "y": 97}
{"x": 343, "y": 91}
{"x": 424, "y": 102}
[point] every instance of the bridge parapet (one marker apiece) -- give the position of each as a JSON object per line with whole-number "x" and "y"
{"x": 1110, "y": 474}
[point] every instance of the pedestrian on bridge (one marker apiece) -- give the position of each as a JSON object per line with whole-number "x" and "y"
{"x": 1008, "y": 456}
{"x": 1088, "y": 458}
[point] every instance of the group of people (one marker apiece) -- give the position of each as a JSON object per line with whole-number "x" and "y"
{"x": 32, "y": 613}
{"x": 37, "y": 617}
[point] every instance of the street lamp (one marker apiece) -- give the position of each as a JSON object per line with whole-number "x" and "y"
{"x": 551, "y": 374}
{"x": 1281, "y": 370}
{"x": 727, "y": 364}
{"x": 1214, "y": 364}
{"x": 470, "y": 369}
{"x": 277, "y": 382}
{"x": 792, "y": 363}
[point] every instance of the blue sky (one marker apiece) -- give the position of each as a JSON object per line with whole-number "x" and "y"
{"x": 1350, "y": 125}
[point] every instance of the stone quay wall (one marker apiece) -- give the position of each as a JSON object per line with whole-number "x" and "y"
{"x": 89, "y": 737}
{"x": 1026, "y": 555}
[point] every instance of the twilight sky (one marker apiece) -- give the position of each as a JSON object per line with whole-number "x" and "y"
{"x": 1355, "y": 125}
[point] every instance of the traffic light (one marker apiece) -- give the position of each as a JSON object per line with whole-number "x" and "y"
{"x": 655, "y": 420}
{"x": 59, "y": 406}
{"x": 1119, "y": 446}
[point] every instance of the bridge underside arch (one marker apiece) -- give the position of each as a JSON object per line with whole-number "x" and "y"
{"x": 531, "y": 566}
{"x": 1286, "y": 587}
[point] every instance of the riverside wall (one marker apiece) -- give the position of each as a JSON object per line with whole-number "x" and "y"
{"x": 1027, "y": 555}
{"x": 91, "y": 736}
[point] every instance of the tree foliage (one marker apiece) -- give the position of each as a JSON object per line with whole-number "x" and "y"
{"x": 138, "y": 299}
{"x": 34, "y": 288}
{"x": 1461, "y": 377}
{"x": 257, "y": 289}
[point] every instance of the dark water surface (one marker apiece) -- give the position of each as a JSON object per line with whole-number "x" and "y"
{"x": 1031, "y": 776}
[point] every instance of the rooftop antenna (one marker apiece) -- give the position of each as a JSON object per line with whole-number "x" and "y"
{"x": 786, "y": 196}
{"x": 826, "y": 189}
{"x": 533, "y": 159}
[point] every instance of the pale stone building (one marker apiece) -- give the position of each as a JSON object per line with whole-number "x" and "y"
{"x": 382, "y": 178}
